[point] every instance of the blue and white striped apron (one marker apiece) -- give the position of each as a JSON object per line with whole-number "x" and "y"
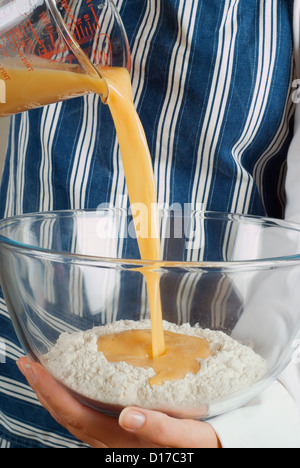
{"x": 212, "y": 85}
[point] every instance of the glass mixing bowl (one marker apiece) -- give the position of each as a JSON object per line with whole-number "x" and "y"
{"x": 75, "y": 270}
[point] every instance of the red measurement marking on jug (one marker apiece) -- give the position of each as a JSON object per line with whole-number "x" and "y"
{"x": 87, "y": 29}
{"x": 43, "y": 39}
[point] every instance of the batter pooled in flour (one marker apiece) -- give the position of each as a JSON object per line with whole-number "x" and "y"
{"x": 76, "y": 362}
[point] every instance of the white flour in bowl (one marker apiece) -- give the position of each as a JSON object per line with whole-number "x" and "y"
{"x": 76, "y": 362}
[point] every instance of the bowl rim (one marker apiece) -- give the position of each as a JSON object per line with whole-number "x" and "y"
{"x": 84, "y": 259}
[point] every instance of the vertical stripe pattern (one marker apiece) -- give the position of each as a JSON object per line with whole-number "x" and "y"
{"x": 212, "y": 85}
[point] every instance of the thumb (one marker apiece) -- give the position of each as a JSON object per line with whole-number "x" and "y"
{"x": 163, "y": 431}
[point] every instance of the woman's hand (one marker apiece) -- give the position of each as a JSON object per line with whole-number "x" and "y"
{"x": 136, "y": 428}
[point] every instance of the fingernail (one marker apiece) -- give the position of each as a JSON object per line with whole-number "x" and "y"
{"x": 132, "y": 420}
{"x": 28, "y": 372}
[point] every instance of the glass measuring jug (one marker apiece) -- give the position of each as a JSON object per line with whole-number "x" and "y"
{"x": 54, "y": 50}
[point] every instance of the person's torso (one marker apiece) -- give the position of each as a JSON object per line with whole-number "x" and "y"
{"x": 212, "y": 85}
